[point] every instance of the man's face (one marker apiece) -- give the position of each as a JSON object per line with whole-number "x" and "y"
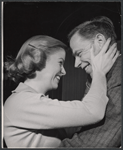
{"x": 81, "y": 48}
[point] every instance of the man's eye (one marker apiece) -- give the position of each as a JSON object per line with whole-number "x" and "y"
{"x": 79, "y": 54}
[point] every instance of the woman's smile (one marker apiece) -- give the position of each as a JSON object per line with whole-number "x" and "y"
{"x": 58, "y": 77}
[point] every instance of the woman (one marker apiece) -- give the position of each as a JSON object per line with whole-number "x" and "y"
{"x": 29, "y": 115}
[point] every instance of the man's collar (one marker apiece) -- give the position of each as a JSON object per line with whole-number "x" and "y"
{"x": 118, "y": 61}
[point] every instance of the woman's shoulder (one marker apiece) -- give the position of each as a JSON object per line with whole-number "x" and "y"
{"x": 18, "y": 100}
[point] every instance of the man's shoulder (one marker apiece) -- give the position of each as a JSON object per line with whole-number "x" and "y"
{"x": 116, "y": 69}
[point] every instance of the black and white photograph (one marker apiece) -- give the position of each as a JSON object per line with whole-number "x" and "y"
{"x": 61, "y": 74}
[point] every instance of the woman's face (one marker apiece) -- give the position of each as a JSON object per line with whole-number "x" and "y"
{"x": 53, "y": 71}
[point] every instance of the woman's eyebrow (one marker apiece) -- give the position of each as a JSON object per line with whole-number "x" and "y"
{"x": 62, "y": 59}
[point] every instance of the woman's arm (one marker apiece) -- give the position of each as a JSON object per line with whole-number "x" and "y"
{"x": 34, "y": 111}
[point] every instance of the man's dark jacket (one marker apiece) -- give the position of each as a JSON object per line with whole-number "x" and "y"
{"x": 106, "y": 133}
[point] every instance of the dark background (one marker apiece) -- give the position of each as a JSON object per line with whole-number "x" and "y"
{"x": 22, "y": 20}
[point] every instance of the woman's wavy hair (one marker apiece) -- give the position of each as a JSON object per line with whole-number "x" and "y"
{"x": 32, "y": 57}
{"x": 89, "y": 29}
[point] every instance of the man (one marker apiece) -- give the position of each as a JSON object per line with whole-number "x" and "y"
{"x": 106, "y": 133}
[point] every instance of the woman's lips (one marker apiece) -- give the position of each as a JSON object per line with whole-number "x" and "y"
{"x": 58, "y": 77}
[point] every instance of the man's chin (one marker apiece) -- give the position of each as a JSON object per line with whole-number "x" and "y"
{"x": 91, "y": 75}
{"x": 88, "y": 72}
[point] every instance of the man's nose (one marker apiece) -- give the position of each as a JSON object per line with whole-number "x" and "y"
{"x": 63, "y": 71}
{"x": 77, "y": 62}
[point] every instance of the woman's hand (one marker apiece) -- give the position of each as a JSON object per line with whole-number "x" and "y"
{"x": 104, "y": 60}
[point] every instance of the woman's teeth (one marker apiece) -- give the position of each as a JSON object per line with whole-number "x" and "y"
{"x": 58, "y": 77}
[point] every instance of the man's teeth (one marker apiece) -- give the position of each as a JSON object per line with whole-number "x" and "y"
{"x": 58, "y": 77}
{"x": 87, "y": 67}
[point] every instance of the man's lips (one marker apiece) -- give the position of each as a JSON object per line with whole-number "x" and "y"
{"x": 86, "y": 67}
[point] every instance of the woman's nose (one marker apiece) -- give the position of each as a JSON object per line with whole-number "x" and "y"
{"x": 63, "y": 71}
{"x": 77, "y": 62}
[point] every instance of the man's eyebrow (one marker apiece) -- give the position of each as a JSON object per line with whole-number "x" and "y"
{"x": 76, "y": 52}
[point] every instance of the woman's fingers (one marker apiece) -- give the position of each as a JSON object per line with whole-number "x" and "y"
{"x": 116, "y": 55}
{"x": 105, "y": 59}
{"x": 112, "y": 49}
{"x": 106, "y": 45}
{"x": 111, "y": 55}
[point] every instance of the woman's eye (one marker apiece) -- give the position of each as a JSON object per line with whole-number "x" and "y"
{"x": 60, "y": 63}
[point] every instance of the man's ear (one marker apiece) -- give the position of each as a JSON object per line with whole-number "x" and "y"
{"x": 99, "y": 41}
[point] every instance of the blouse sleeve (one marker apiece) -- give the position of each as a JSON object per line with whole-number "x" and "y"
{"x": 37, "y": 112}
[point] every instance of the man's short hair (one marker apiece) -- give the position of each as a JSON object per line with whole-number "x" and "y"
{"x": 89, "y": 29}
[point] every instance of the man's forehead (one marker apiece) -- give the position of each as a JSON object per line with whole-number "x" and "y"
{"x": 78, "y": 42}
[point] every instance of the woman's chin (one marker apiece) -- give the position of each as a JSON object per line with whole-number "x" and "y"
{"x": 54, "y": 87}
